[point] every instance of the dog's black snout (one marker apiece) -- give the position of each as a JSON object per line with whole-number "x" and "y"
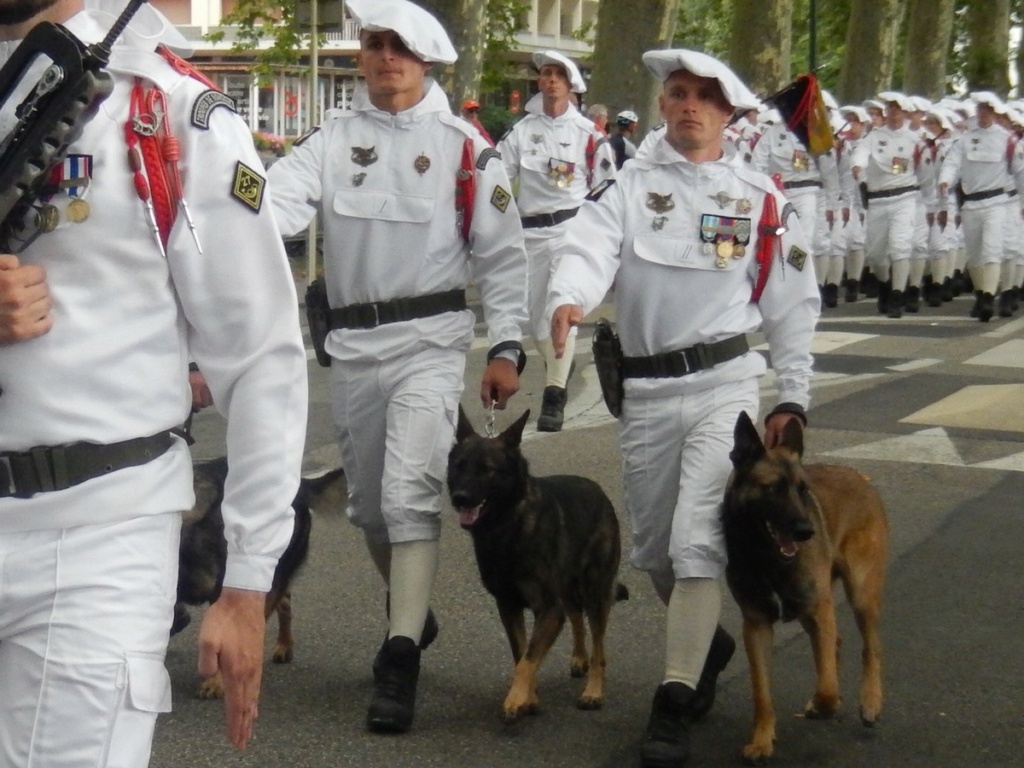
{"x": 461, "y": 499}
{"x": 803, "y": 530}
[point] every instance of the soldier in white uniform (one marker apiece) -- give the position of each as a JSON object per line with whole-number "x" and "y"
{"x": 941, "y": 237}
{"x": 93, "y": 481}
{"x": 981, "y": 164}
{"x": 558, "y": 156}
{"x": 807, "y": 180}
{"x": 679, "y": 234}
{"x": 887, "y": 164}
{"x": 403, "y": 236}
{"x": 850, "y": 241}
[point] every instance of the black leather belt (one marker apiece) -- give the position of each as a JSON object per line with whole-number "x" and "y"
{"x": 682, "y": 362}
{"x": 62, "y": 466}
{"x": 892, "y": 192}
{"x": 799, "y": 184}
{"x": 397, "y": 310}
{"x": 548, "y": 219}
{"x": 985, "y": 195}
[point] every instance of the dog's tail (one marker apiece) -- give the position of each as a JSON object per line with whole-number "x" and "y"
{"x": 621, "y": 593}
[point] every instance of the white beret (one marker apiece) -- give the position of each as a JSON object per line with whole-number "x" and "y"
{"x": 942, "y": 116}
{"x": 663, "y": 63}
{"x": 576, "y": 84}
{"x": 989, "y": 98}
{"x": 901, "y": 100}
{"x": 419, "y": 30}
{"x": 873, "y": 104}
{"x": 858, "y": 112}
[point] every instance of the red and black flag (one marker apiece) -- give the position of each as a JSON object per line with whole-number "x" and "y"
{"x": 803, "y": 108}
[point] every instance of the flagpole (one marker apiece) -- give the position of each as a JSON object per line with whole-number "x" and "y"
{"x": 812, "y": 54}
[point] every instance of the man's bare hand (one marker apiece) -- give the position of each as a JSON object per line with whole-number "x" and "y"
{"x": 201, "y": 395}
{"x": 24, "y": 300}
{"x": 231, "y": 642}
{"x": 500, "y": 382}
{"x": 565, "y": 317}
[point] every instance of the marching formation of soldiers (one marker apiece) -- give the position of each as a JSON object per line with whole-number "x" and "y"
{"x": 916, "y": 203}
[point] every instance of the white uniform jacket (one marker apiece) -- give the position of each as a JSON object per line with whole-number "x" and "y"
{"x": 386, "y": 185}
{"x": 778, "y": 151}
{"x": 893, "y": 160}
{"x": 982, "y": 160}
{"x": 648, "y": 233}
{"x": 127, "y": 320}
{"x": 549, "y": 156}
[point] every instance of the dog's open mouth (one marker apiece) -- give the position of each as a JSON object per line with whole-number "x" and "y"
{"x": 787, "y": 545}
{"x": 469, "y": 515}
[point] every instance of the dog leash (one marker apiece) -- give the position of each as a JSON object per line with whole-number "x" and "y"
{"x": 489, "y": 423}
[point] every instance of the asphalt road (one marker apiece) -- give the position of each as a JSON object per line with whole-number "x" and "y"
{"x": 931, "y": 407}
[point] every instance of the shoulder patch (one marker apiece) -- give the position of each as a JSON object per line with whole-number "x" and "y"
{"x": 248, "y": 187}
{"x": 797, "y": 258}
{"x": 595, "y": 194}
{"x": 208, "y": 101}
{"x": 299, "y": 141}
{"x": 500, "y": 198}
{"x": 486, "y": 156}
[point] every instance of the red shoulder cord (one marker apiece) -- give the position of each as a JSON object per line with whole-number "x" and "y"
{"x": 591, "y": 152}
{"x": 153, "y": 155}
{"x": 465, "y": 189}
{"x": 769, "y": 236}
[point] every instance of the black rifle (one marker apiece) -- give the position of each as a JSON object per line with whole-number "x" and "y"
{"x": 52, "y": 116}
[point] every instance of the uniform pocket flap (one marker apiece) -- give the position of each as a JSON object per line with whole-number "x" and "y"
{"x": 385, "y": 206}
{"x": 149, "y": 685}
{"x": 677, "y": 252}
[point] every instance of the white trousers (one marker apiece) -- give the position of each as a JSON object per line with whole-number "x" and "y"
{"x": 395, "y": 422}
{"x": 889, "y": 231}
{"x": 984, "y": 234}
{"x": 676, "y": 463}
{"x": 541, "y": 243}
{"x": 85, "y": 615}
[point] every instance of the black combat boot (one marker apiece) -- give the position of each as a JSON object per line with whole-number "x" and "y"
{"x": 395, "y": 672}
{"x": 883, "y": 292}
{"x": 830, "y": 295}
{"x": 977, "y": 304}
{"x": 895, "y": 304}
{"x": 912, "y": 299}
{"x": 958, "y": 283}
{"x": 869, "y": 283}
{"x": 552, "y": 409}
{"x": 1006, "y": 303}
{"x": 947, "y": 290}
{"x": 852, "y": 290}
{"x": 986, "y": 307}
{"x": 933, "y": 294}
{"x": 667, "y": 742}
{"x": 722, "y": 649}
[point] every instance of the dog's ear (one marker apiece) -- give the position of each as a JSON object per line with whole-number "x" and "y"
{"x": 464, "y": 428}
{"x": 513, "y": 436}
{"x": 747, "y": 445}
{"x": 793, "y": 437}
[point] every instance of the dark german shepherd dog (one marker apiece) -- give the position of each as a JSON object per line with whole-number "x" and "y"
{"x": 550, "y": 544}
{"x": 202, "y": 555}
{"x": 790, "y": 531}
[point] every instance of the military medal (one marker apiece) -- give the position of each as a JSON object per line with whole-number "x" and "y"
{"x": 724, "y": 248}
{"x": 561, "y": 172}
{"x": 899, "y": 165}
{"x": 721, "y": 262}
{"x": 78, "y": 210}
{"x": 48, "y": 217}
{"x": 739, "y": 252}
{"x": 800, "y": 161}
{"x": 421, "y": 164}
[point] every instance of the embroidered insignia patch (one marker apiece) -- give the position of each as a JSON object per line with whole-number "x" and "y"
{"x": 302, "y": 139}
{"x": 206, "y": 103}
{"x": 500, "y": 198}
{"x": 486, "y": 156}
{"x": 248, "y": 186}
{"x": 797, "y": 258}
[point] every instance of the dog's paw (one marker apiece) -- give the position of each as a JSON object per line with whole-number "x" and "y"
{"x": 579, "y": 667}
{"x": 211, "y": 688}
{"x": 282, "y": 654}
{"x": 757, "y": 754}
{"x": 822, "y": 707}
{"x": 868, "y": 717}
{"x": 589, "y": 702}
{"x": 516, "y": 706}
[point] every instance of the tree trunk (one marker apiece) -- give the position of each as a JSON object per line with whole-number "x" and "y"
{"x": 930, "y": 25}
{"x": 625, "y": 29}
{"x": 988, "y": 24}
{"x": 870, "y": 49}
{"x": 762, "y": 36}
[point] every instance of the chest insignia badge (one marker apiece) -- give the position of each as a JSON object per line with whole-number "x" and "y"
{"x": 421, "y": 164}
{"x": 722, "y": 199}
{"x": 658, "y": 223}
{"x": 364, "y": 156}
{"x": 660, "y": 203}
{"x": 744, "y": 206}
{"x": 358, "y": 179}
